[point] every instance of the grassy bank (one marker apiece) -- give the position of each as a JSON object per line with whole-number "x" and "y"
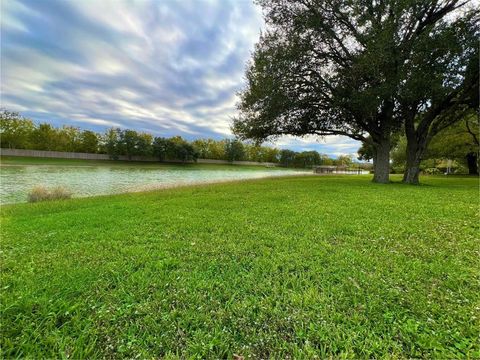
{"x": 25, "y": 160}
{"x": 290, "y": 267}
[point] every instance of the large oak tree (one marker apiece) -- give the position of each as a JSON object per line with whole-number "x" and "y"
{"x": 440, "y": 85}
{"x": 335, "y": 67}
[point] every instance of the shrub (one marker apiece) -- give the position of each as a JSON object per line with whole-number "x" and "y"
{"x": 41, "y": 193}
{"x": 431, "y": 171}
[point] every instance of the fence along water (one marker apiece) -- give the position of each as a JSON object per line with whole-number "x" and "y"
{"x": 90, "y": 156}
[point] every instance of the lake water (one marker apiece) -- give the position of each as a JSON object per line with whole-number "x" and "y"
{"x": 82, "y": 181}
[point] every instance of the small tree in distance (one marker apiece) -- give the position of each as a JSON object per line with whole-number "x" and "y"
{"x": 15, "y": 130}
{"x": 234, "y": 150}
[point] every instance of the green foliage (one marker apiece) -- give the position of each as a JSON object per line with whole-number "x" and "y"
{"x": 44, "y": 137}
{"x": 361, "y": 69}
{"x": 67, "y": 139}
{"x": 366, "y": 152}
{"x": 128, "y": 142}
{"x": 234, "y": 150}
{"x": 454, "y": 143}
{"x": 399, "y": 155}
{"x": 210, "y": 149}
{"x": 89, "y": 142}
{"x": 21, "y": 133}
{"x": 161, "y": 148}
{"x": 132, "y": 143}
{"x": 287, "y": 157}
{"x": 305, "y": 267}
{"x": 174, "y": 148}
{"x": 457, "y": 142}
{"x": 15, "y": 130}
{"x": 345, "y": 160}
{"x": 441, "y": 82}
{"x": 186, "y": 152}
{"x": 112, "y": 143}
{"x": 307, "y": 159}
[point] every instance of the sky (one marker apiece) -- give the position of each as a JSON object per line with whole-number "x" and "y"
{"x": 168, "y": 67}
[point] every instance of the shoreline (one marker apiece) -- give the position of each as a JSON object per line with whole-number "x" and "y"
{"x": 160, "y": 187}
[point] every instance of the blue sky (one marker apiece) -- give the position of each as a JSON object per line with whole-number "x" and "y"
{"x": 163, "y": 66}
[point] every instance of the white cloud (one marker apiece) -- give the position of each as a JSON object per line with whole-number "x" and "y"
{"x": 169, "y": 67}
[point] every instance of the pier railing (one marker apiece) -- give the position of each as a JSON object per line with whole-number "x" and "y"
{"x": 342, "y": 169}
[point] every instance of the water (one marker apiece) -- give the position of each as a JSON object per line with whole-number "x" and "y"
{"x": 83, "y": 181}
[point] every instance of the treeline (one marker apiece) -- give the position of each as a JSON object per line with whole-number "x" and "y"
{"x": 18, "y": 132}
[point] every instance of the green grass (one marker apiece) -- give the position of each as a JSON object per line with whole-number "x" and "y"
{"x": 275, "y": 268}
{"x": 25, "y": 160}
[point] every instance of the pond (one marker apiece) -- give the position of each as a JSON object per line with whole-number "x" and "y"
{"x": 17, "y": 181}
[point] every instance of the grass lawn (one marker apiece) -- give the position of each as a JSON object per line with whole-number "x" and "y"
{"x": 284, "y": 268}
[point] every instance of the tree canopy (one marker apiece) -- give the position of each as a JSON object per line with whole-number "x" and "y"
{"x": 342, "y": 67}
{"x": 458, "y": 142}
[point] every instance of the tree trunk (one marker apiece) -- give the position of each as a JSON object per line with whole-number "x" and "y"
{"x": 381, "y": 163}
{"x": 472, "y": 163}
{"x": 412, "y": 167}
{"x": 417, "y": 142}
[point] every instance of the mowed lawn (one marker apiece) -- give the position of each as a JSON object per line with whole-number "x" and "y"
{"x": 297, "y": 267}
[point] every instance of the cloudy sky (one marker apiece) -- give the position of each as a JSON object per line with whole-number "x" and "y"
{"x": 169, "y": 67}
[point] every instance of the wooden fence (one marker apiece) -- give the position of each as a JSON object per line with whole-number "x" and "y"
{"x": 89, "y": 156}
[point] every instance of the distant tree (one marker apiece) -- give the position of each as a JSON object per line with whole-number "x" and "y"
{"x": 175, "y": 148}
{"x": 19, "y": 132}
{"x": 217, "y": 150}
{"x": 45, "y": 137}
{"x": 234, "y": 150}
{"x": 112, "y": 143}
{"x": 344, "y": 160}
{"x": 89, "y": 142}
{"x": 15, "y": 130}
{"x": 144, "y": 144}
{"x": 253, "y": 152}
{"x": 271, "y": 155}
{"x": 203, "y": 148}
{"x": 325, "y": 160}
{"x": 68, "y": 138}
{"x": 287, "y": 157}
{"x": 366, "y": 152}
{"x": 307, "y": 159}
{"x": 185, "y": 152}
{"x": 160, "y": 148}
{"x": 128, "y": 143}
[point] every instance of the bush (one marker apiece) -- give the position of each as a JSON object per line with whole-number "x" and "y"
{"x": 431, "y": 171}
{"x": 41, "y": 193}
